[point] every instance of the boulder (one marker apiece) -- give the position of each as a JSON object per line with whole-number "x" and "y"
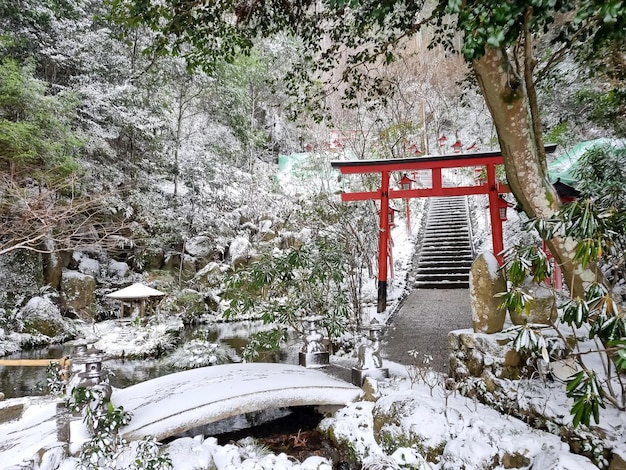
{"x": 266, "y": 231}
{"x": 118, "y": 269}
{"x": 486, "y": 280}
{"x": 173, "y": 263}
{"x": 210, "y": 275}
{"x": 78, "y": 293}
{"x": 618, "y": 460}
{"x": 153, "y": 258}
{"x": 89, "y": 266}
{"x": 542, "y": 308}
{"x": 239, "y": 248}
{"x": 288, "y": 240}
{"x": 11, "y": 410}
{"x": 190, "y": 304}
{"x": 452, "y": 433}
{"x": 53, "y": 264}
{"x": 42, "y": 315}
{"x": 202, "y": 248}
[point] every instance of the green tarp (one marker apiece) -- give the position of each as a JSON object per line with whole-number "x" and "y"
{"x": 565, "y": 166}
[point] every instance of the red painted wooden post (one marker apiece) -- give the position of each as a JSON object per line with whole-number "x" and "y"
{"x": 408, "y": 216}
{"x": 436, "y": 177}
{"x": 383, "y": 238}
{"x": 494, "y": 213}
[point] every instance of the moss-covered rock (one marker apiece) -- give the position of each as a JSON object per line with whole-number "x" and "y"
{"x": 41, "y": 315}
{"x": 392, "y": 429}
{"x": 353, "y": 445}
{"x": 486, "y": 280}
{"x": 186, "y": 270}
{"x": 78, "y": 293}
{"x": 53, "y": 264}
{"x": 210, "y": 275}
{"x": 188, "y": 303}
{"x": 151, "y": 258}
{"x": 542, "y": 309}
{"x": 21, "y": 273}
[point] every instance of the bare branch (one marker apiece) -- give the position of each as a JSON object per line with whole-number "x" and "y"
{"x": 44, "y": 219}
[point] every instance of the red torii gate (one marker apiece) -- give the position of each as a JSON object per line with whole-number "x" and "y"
{"x": 434, "y": 163}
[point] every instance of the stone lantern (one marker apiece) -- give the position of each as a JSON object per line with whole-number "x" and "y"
{"x": 87, "y": 367}
{"x": 314, "y": 352}
{"x": 370, "y": 363}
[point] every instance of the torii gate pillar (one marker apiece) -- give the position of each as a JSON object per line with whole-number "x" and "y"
{"x": 497, "y": 239}
{"x": 383, "y": 242}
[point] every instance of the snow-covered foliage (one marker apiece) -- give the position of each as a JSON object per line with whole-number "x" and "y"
{"x": 185, "y": 163}
{"x": 200, "y": 353}
{"x": 134, "y": 340}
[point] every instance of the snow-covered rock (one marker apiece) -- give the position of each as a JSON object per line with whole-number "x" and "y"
{"x": 485, "y": 281}
{"x": 239, "y": 247}
{"x": 89, "y": 266}
{"x": 78, "y": 292}
{"x": 450, "y": 431}
{"x": 203, "y": 249}
{"x": 43, "y": 316}
{"x": 118, "y": 269}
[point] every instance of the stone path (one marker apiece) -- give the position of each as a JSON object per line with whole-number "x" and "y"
{"x": 423, "y": 323}
{"x": 440, "y": 300}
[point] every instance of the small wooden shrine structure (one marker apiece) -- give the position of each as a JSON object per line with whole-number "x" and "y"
{"x": 134, "y": 298}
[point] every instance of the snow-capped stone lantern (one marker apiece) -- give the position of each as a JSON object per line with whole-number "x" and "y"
{"x": 314, "y": 352}
{"x": 370, "y": 362}
{"x": 87, "y": 369}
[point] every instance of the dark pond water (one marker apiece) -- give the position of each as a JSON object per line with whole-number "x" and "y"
{"x": 18, "y": 381}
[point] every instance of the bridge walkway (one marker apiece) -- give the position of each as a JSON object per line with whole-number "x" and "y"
{"x": 169, "y": 405}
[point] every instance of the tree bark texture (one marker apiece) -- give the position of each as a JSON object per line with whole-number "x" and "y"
{"x": 504, "y": 93}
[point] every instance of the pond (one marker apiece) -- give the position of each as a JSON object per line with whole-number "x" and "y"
{"x": 19, "y": 381}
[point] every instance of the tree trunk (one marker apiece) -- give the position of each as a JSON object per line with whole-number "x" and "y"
{"x": 524, "y": 160}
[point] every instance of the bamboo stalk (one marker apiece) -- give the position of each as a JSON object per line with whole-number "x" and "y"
{"x": 35, "y": 362}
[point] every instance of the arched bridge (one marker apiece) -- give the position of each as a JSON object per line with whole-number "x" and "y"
{"x": 169, "y": 405}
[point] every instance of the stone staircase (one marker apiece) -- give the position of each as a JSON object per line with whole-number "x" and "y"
{"x": 446, "y": 253}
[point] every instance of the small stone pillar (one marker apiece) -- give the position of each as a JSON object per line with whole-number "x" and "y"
{"x": 485, "y": 281}
{"x": 370, "y": 363}
{"x": 314, "y": 353}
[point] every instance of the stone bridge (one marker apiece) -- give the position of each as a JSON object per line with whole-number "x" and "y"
{"x": 169, "y": 405}
{"x": 32, "y": 427}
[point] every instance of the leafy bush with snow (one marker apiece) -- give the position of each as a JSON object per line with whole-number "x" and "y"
{"x": 595, "y": 224}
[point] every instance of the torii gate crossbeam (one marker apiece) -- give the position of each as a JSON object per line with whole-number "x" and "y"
{"x": 435, "y": 164}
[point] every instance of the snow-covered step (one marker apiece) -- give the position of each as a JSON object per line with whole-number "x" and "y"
{"x": 446, "y": 253}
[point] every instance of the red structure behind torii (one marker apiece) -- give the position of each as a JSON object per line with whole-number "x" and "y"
{"x": 491, "y": 187}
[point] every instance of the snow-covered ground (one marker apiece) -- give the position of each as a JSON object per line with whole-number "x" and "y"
{"x": 461, "y": 432}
